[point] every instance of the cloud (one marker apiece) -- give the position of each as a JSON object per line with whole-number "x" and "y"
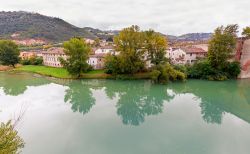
{"x": 167, "y": 16}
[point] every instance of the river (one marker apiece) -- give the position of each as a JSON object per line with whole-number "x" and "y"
{"x": 127, "y": 117}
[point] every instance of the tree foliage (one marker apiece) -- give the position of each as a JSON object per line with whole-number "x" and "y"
{"x": 130, "y": 45}
{"x": 9, "y": 53}
{"x": 10, "y": 142}
{"x": 222, "y": 45}
{"x": 246, "y": 32}
{"x": 218, "y": 65}
{"x": 156, "y": 46}
{"x": 135, "y": 48}
{"x": 77, "y": 51}
{"x": 163, "y": 73}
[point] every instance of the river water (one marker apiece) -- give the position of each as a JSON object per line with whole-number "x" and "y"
{"x": 127, "y": 117}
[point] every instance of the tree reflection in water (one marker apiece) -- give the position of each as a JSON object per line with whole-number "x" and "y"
{"x": 15, "y": 84}
{"x": 138, "y": 99}
{"x": 80, "y": 96}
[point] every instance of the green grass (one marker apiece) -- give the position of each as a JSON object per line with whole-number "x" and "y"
{"x": 62, "y": 73}
{"x": 44, "y": 70}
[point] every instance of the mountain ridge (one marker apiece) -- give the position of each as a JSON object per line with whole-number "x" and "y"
{"x": 36, "y": 26}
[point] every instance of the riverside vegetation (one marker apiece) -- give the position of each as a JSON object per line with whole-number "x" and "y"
{"x": 137, "y": 48}
{"x": 10, "y": 142}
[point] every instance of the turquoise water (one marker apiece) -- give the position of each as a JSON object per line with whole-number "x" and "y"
{"x": 127, "y": 117}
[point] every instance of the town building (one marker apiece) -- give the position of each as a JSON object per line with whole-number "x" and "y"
{"x": 24, "y": 55}
{"x": 105, "y": 50}
{"x": 52, "y": 56}
{"x": 176, "y": 55}
{"x": 89, "y": 41}
{"x": 96, "y": 61}
{"x": 193, "y": 54}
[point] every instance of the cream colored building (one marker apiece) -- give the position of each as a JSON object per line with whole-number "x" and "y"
{"x": 51, "y": 57}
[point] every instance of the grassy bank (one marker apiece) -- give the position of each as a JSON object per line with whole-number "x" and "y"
{"x": 62, "y": 73}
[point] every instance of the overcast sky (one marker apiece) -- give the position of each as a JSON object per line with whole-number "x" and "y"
{"x": 167, "y": 16}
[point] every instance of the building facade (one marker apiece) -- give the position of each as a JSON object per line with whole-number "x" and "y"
{"x": 52, "y": 56}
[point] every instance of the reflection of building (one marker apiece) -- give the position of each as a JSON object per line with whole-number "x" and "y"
{"x": 51, "y": 57}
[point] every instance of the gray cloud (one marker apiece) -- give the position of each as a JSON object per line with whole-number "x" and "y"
{"x": 167, "y": 16}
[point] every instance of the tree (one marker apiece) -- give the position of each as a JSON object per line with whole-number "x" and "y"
{"x": 10, "y": 142}
{"x": 77, "y": 51}
{"x": 97, "y": 42}
{"x": 246, "y": 32}
{"x": 222, "y": 45}
{"x": 156, "y": 46}
{"x": 130, "y": 44}
{"x": 9, "y": 53}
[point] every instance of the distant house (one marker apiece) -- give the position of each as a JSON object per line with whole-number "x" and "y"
{"x": 27, "y": 55}
{"x": 104, "y": 50}
{"x": 51, "y": 57}
{"x": 96, "y": 61}
{"x": 176, "y": 55}
{"x": 193, "y": 54}
{"x": 89, "y": 41}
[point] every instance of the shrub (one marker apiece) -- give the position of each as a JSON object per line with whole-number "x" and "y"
{"x": 203, "y": 70}
{"x": 32, "y": 61}
{"x": 10, "y": 142}
{"x": 164, "y": 73}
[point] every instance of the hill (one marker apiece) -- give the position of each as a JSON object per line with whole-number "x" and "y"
{"x": 26, "y": 25}
{"x": 33, "y": 25}
{"x": 194, "y": 37}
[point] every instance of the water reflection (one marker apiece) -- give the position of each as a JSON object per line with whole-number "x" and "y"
{"x": 218, "y": 98}
{"x": 80, "y": 96}
{"x": 137, "y": 99}
{"x": 16, "y": 84}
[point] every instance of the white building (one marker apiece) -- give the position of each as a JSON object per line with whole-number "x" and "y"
{"x": 89, "y": 41}
{"x": 105, "y": 50}
{"x": 51, "y": 57}
{"x": 96, "y": 61}
{"x": 176, "y": 55}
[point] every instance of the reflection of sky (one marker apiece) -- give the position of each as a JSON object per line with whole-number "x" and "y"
{"x": 49, "y": 126}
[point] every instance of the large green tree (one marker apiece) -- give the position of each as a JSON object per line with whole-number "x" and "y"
{"x": 156, "y": 46}
{"x": 9, "y": 53}
{"x": 222, "y": 45}
{"x": 130, "y": 45}
{"x": 77, "y": 51}
{"x": 10, "y": 142}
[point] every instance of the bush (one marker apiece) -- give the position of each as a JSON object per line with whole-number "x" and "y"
{"x": 204, "y": 70}
{"x": 32, "y": 61}
{"x": 232, "y": 69}
{"x": 111, "y": 64}
{"x": 25, "y": 62}
{"x": 10, "y": 142}
{"x": 164, "y": 73}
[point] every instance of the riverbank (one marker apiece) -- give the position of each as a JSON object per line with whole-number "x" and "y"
{"x": 8, "y": 68}
{"x": 63, "y": 74}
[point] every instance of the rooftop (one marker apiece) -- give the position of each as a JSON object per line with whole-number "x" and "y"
{"x": 54, "y": 50}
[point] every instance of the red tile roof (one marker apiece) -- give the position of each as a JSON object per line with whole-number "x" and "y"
{"x": 54, "y": 50}
{"x": 194, "y": 50}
